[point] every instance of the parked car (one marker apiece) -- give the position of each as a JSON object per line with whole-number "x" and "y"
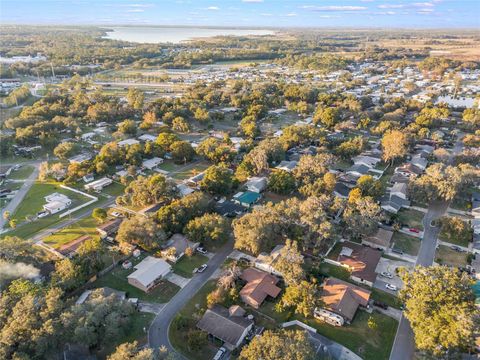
{"x": 42, "y": 214}
{"x": 457, "y": 248}
{"x": 416, "y": 231}
{"x": 201, "y": 250}
{"x": 220, "y": 353}
{"x": 127, "y": 264}
{"x": 386, "y": 274}
{"x": 391, "y": 287}
{"x": 398, "y": 251}
{"x": 200, "y": 269}
{"x": 380, "y": 304}
{"x": 116, "y": 214}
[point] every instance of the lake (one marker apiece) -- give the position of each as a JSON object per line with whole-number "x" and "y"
{"x": 157, "y": 35}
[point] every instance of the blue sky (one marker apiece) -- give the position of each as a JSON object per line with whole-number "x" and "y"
{"x": 263, "y": 13}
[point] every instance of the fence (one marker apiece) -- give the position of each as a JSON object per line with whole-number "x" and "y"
{"x": 94, "y": 199}
{"x": 299, "y": 323}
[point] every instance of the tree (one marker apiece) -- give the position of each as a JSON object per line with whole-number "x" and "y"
{"x": 189, "y": 252}
{"x": 131, "y": 351}
{"x": 141, "y": 230}
{"x": 196, "y": 339}
{"x": 68, "y": 274}
{"x": 179, "y": 124}
{"x": 127, "y": 127}
{"x": 217, "y": 180}
{"x": 182, "y": 152}
{"x": 6, "y": 215}
{"x": 165, "y": 141}
{"x": 12, "y": 247}
{"x": 279, "y": 345}
{"x": 209, "y": 229}
{"x": 362, "y": 216}
{"x": 135, "y": 98}
{"x": 289, "y": 263}
{"x": 215, "y": 150}
{"x": 327, "y": 116}
{"x": 99, "y": 214}
{"x": 312, "y": 167}
{"x": 454, "y": 229}
{"x": 440, "y": 306}
{"x": 369, "y": 186}
{"x": 394, "y": 145}
{"x": 201, "y": 115}
{"x": 148, "y": 190}
{"x": 302, "y": 297}
{"x": 281, "y": 182}
{"x": 65, "y": 150}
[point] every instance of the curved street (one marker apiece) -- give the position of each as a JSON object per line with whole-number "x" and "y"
{"x": 158, "y": 331}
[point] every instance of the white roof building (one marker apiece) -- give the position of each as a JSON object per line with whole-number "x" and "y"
{"x": 147, "y": 137}
{"x": 152, "y": 163}
{"x": 148, "y": 272}
{"x": 128, "y": 142}
{"x": 99, "y": 184}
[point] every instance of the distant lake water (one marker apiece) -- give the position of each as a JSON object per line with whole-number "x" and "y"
{"x": 156, "y": 35}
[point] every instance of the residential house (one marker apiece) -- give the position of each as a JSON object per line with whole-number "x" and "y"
{"x": 228, "y": 208}
{"x": 366, "y": 160}
{"x": 184, "y": 190}
{"x": 397, "y": 198}
{"x": 343, "y": 298}
{"x": 109, "y": 228}
{"x": 341, "y": 190}
{"x": 266, "y": 262}
{"x": 179, "y": 243}
{"x": 361, "y": 261}
{"x": 287, "y": 165}
{"x": 357, "y": 170}
{"x": 147, "y": 138}
{"x": 128, "y": 142}
{"x": 419, "y": 162}
{"x": 228, "y": 325}
{"x": 152, "y": 163}
{"x": 149, "y": 272}
{"x": 56, "y": 202}
{"x": 380, "y": 240}
{"x": 408, "y": 170}
{"x": 195, "y": 180}
{"x": 259, "y": 286}
{"x": 99, "y": 185}
{"x": 247, "y": 198}
{"x": 256, "y": 184}
{"x": 70, "y": 249}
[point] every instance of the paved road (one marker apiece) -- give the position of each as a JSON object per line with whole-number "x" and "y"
{"x": 404, "y": 344}
{"x": 20, "y": 194}
{"x": 158, "y": 331}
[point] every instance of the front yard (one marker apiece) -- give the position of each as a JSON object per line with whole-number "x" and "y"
{"x": 411, "y": 218}
{"x": 184, "y": 267}
{"x": 408, "y": 244}
{"x": 447, "y": 256}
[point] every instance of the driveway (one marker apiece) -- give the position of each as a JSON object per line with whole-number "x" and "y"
{"x": 148, "y": 307}
{"x": 177, "y": 279}
{"x": 158, "y": 331}
{"x": 390, "y": 266}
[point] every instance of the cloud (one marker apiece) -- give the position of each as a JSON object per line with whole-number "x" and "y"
{"x": 423, "y": 4}
{"x": 291, "y": 14}
{"x": 425, "y": 11}
{"x": 391, "y": 6}
{"x": 333, "y": 8}
{"x": 252, "y": 1}
{"x": 214, "y": 8}
{"x": 135, "y": 10}
{"x": 266, "y": 14}
{"x": 137, "y": 5}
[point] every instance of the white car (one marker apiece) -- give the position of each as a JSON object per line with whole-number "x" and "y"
{"x": 201, "y": 250}
{"x": 391, "y": 287}
{"x": 386, "y": 274}
{"x": 42, "y": 214}
{"x": 200, "y": 269}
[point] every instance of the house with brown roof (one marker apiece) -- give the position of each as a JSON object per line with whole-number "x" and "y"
{"x": 361, "y": 261}
{"x": 380, "y": 240}
{"x": 228, "y": 325}
{"x": 109, "y": 228}
{"x": 343, "y": 298}
{"x": 69, "y": 249}
{"x": 259, "y": 286}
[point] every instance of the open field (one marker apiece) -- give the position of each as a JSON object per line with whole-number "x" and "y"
{"x": 22, "y": 173}
{"x": 84, "y": 226}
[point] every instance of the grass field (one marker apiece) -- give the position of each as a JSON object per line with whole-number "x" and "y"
{"x": 334, "y": 271}
{"x": 408, "y": 244}
{"x": 412, "y": 218}
{"x": 192, "y": 312}
{"x": 184, "y": 267}
{"x": 22, "y": 173}
{"x": 85, "y": 226}
{"x": 446, "y": 256}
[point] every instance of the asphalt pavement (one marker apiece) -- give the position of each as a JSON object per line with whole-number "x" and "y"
{"x": 158, "y": 331}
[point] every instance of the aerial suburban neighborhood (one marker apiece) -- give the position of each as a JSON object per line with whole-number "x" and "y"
{"x": 263, "y": 192}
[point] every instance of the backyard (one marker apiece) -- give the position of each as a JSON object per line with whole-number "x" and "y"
{"x": 85, "y": 226}
{"x": 408, "y": 244}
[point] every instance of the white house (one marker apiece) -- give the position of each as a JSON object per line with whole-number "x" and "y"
{"x": 148, "y": 273}
{"x": 56, "y": 202}
{"x": 152, "y": 163}
{"x": 419, "y": 162}
{"x": 99, "y": 184}
{"x": 368, "y": 161}
{"x": 128, "y": 142}
{"x": 257, "y": 184}
{"x": 400, "y": 190}
{"x": 147, "y": 137}
{"x": 287, "y": 165}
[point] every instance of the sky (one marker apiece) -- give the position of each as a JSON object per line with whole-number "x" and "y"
{"x": 247, "y": 13}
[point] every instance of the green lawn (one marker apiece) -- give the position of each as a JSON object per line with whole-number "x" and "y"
{"x": 335, "y": 252}
{"x": 184, "y": 267}
{"x": 412, "y": 218}
{"x": 22, "y": 173}
{"x": 447, "y": 256}
{"x": 408, "y": 244}
{"x": 117, "y": 279}
{"x": 386, "y": 298}
{"x": 85, "y": 226}
{"x": 338, "y": 272}
{"x": 192, "y": 312}
{"x": 190, "y": 170}
{"x": 140, "y": 321}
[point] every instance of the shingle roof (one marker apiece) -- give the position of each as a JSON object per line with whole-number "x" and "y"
{"x": 362, "y": 259}
{"x": 259, "y": 285}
